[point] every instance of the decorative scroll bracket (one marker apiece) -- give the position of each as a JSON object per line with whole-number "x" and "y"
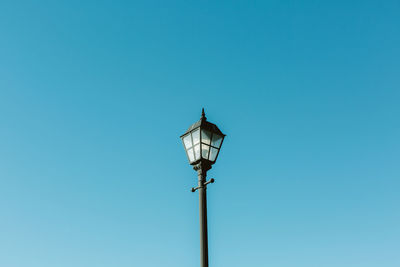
{"x": 212, "y": 180}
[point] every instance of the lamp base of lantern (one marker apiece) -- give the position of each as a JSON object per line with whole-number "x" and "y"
{"x": 202, "y": 167}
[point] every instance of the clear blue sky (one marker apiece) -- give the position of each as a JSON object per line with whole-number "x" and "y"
{"x": 95, "y": 94}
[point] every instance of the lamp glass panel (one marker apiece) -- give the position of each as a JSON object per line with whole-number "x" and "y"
{"x": 216, "y": 140}
{"x": 205, "y": 151}
{"x": 187, "y": 140}
{"x": 190, "y": 154}
{"x": 213, "y": 154}
{"x": 205, "y": 137}
{"x": 197, "y": 151}
{"x": 196, "y": 136}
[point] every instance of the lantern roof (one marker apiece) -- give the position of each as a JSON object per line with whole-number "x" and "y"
{"x": 204, "y": 124}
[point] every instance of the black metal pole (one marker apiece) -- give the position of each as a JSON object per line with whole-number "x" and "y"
{"x": 203, "y": 221}
{"x": 202, "y": 187}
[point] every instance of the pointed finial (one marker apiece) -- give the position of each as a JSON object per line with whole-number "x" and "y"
{"x": 203, "y": 115}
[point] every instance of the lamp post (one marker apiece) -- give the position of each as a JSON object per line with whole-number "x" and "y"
{"x": 202, "y": 142}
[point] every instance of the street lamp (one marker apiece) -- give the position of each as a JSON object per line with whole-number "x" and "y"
{"x": 202, "y": 142}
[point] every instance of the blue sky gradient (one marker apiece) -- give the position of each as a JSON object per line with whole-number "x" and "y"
{"x": 95, "y": 94}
